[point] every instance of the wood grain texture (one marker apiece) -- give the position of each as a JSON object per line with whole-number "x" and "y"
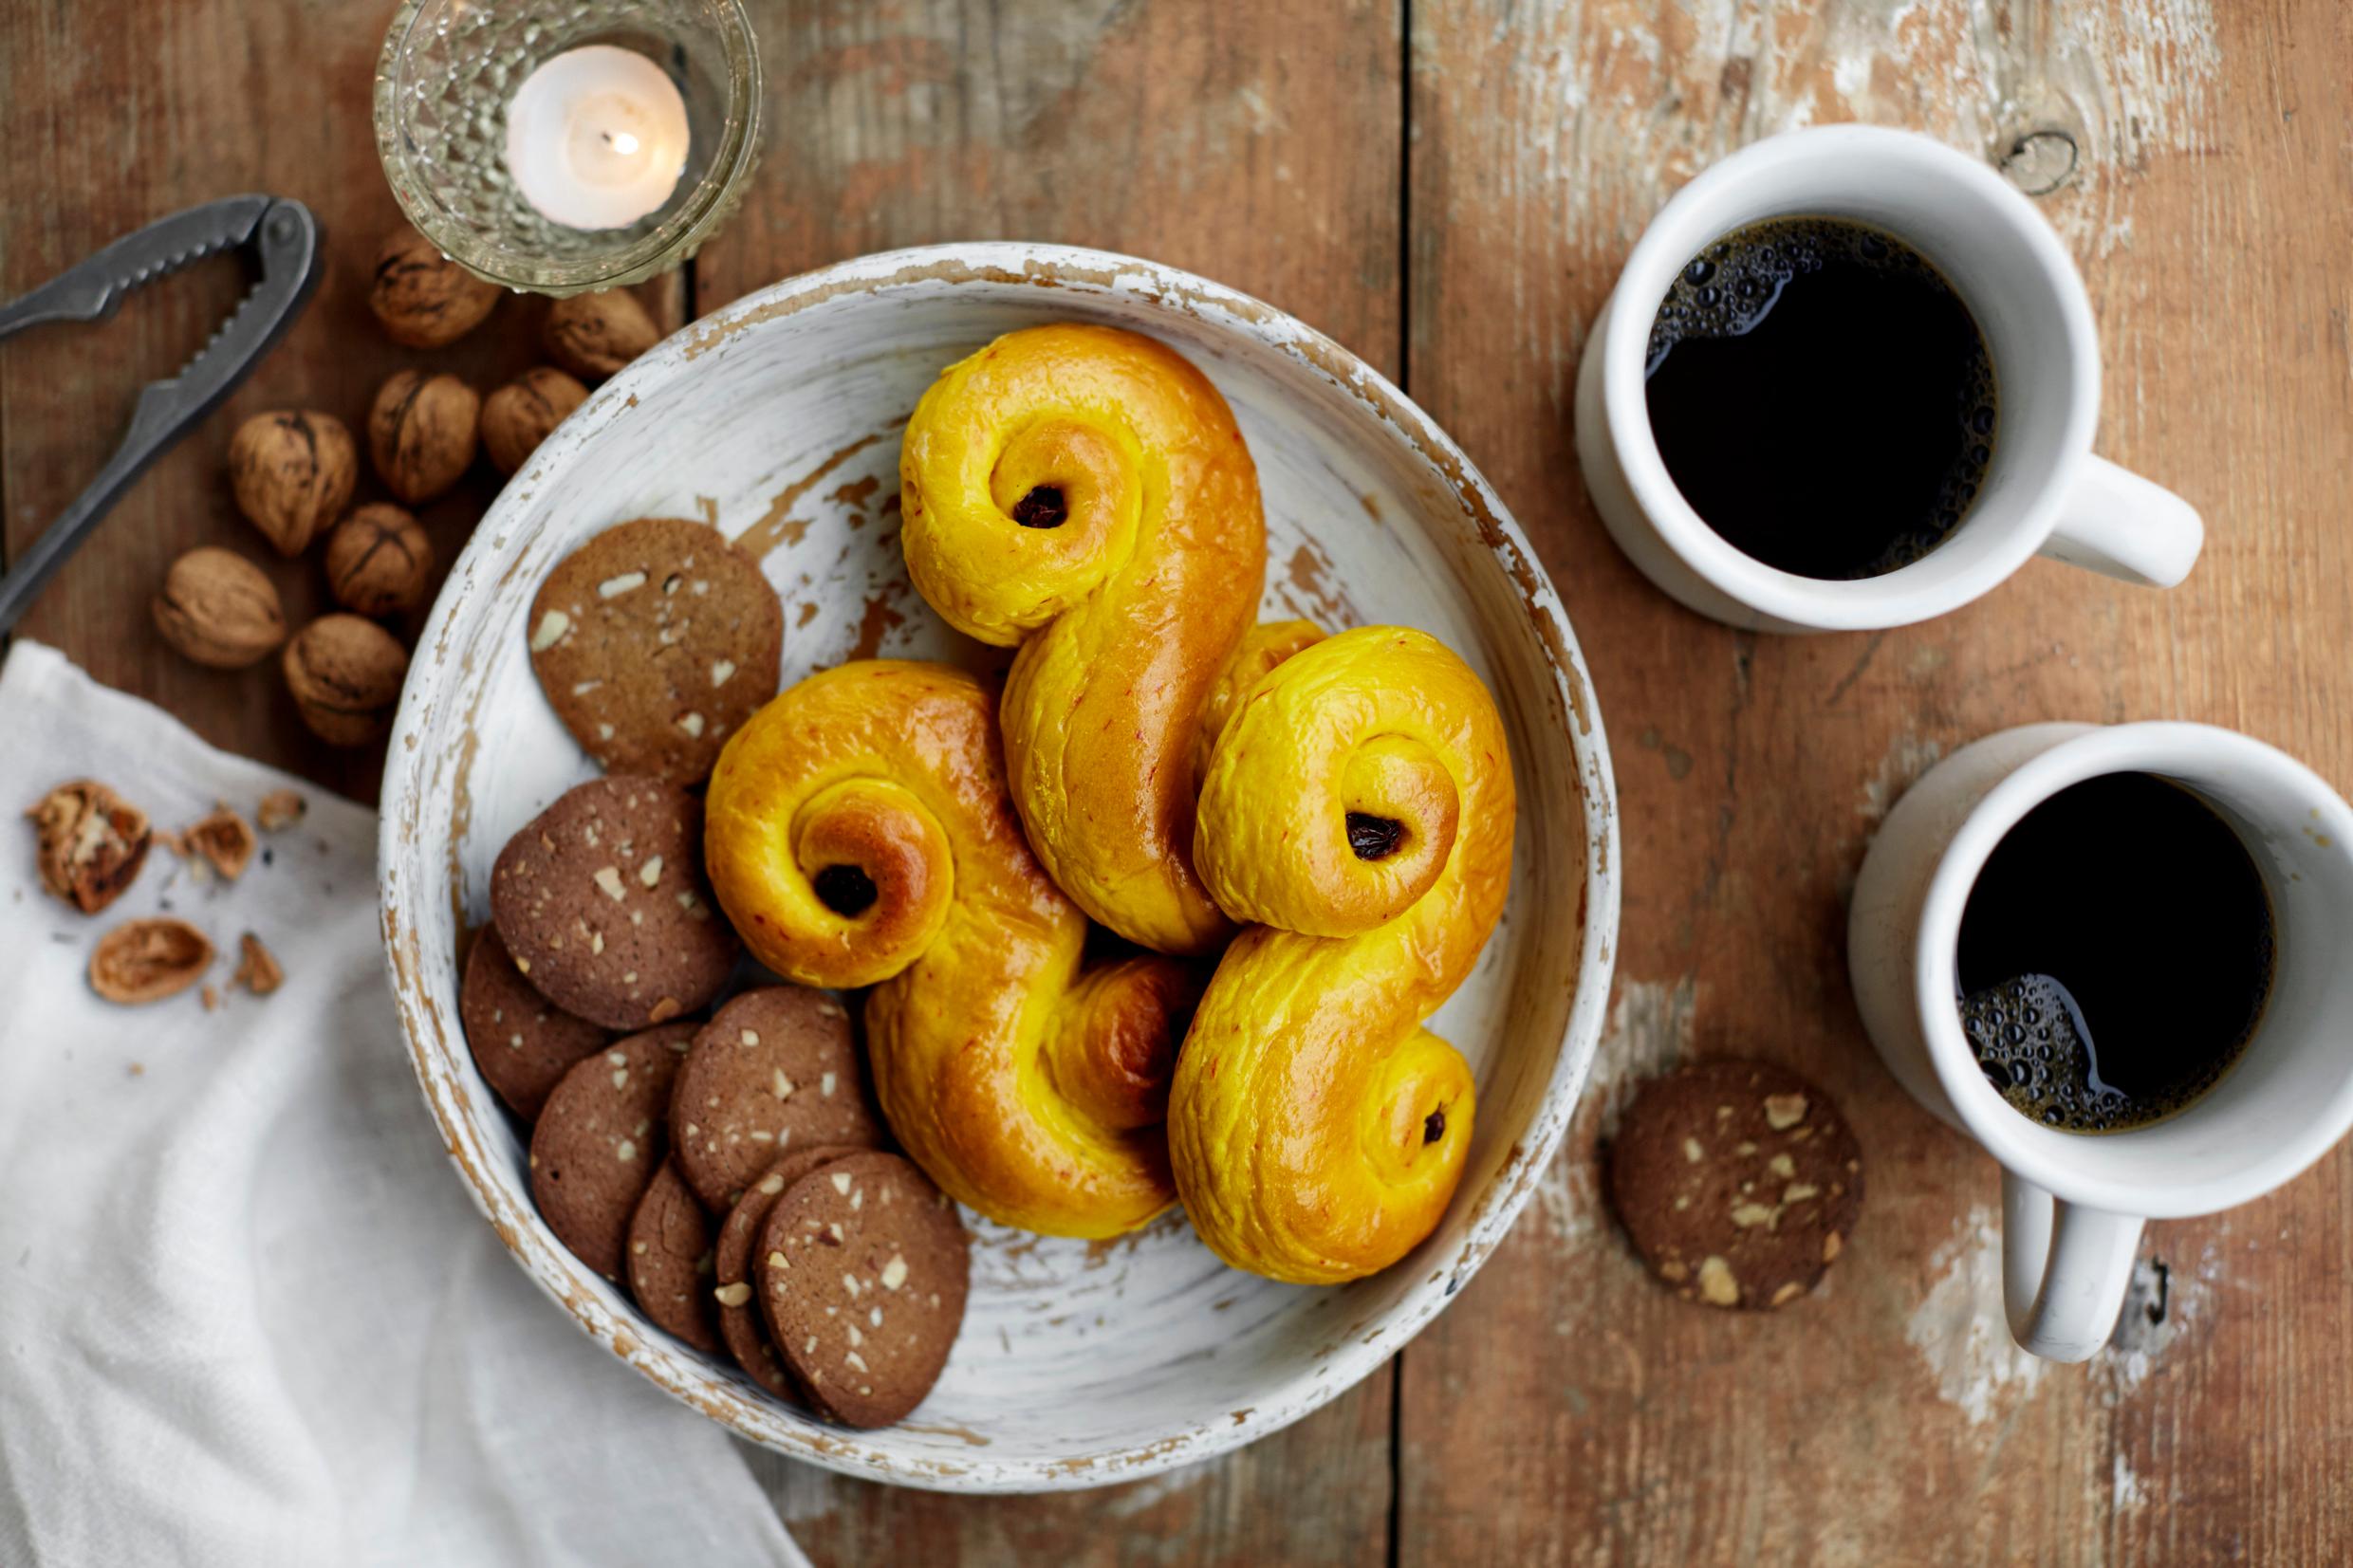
{"x": 203, "y": 99}
{"x": 1569, "y": 1410}
{"x": 1261, "y": 146}
{"x": 1458, "y": 223}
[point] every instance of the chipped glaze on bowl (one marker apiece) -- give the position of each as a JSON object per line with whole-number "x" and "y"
{"x": 778, "y": 420}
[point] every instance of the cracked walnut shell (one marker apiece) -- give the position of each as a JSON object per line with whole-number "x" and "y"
{"x": 223, "y": 841}
{"x": 292, "y": 472}
{"x": 519, "y": 415}
{"x": 422, "y": 432}
{"x": 345, "y": 675}
{"x": 423, "y": 299}
{"x": 92, "y": 844}
{"x": 219, "y": 609}
{"x": 594, "y": 335}
{"x": 148, "y": 960}
{"x": 377, "y": 561}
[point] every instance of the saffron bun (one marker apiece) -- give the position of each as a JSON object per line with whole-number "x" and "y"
{"x": 858, "y": 834}
{"x": 1358, "y": 814}
{"x": 1083, "y": 493}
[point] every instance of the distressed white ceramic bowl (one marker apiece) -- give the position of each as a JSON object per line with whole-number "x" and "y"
{"x": 779, "y": 418}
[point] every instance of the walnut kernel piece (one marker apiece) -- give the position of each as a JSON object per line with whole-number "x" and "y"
{"x": 423, "y": 299}
{"x": 280, "y": 808}
{"x": 91, "y": 843}
{"x": 345, "y": 675}
{"x": 142, "y": 961}
{"x": 422, "y": 432}
{"x": 218, "y": 609}
{"x": 519, "y": 415}
{"x": 223, "y": 840}
{"x": 594, "y": 335}
{"x": 1783, "y": 1112}
{"x": 292, "y": 472}
{"x": 379, "y": 560}
{"x": 258, "y": 969}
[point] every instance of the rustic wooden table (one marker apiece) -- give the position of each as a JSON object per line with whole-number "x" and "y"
{"x": 1447, "y": 187}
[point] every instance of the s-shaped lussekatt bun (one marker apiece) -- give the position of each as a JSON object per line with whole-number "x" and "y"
{"x": 1359, "y": 811}
{"x": 857, "y": 834}
{"x": 1084, "y": 493}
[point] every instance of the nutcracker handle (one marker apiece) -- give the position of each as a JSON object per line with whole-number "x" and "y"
{"x": 286, "y": 240}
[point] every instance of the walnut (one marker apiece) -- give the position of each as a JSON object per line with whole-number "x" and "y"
{"x": 594, "y": 335}
{"x": 421, "y": 433}
{"x": 148, "y": 960}
{"x": 223, "y": 841}
{"x": 517, "y": 417}
{"x": 280, "y": 808}
{"x": 219, "y": 609}
{"x": 292, "y": 473}
{"x": 423, "y": 299}
{"x": 345, "y": 675}
{"x": 92, "y": 844}
{"x": 377, "y": 561}
{"x": 258, "y": 969}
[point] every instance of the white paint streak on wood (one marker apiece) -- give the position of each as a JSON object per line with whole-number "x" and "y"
{"x": 1625, "y": 101}
{"x": 1959, "y": 1329}
{"x": 1649, "y": 1031}
{"x": 1907, "y": 758}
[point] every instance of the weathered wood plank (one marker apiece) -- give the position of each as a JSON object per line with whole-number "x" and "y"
{"x": 121, "y": 112}
{"x": 1567, "y": 1411}
{"x": 1262, "y": 146}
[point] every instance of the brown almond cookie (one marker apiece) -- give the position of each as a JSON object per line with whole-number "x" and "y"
{"x": 861, "y": 1268}
{"x": 1738, "y": 1182}
{"x": 671, "y": 1261}
{"x": 773, "y": 1070}
{"x": 655, "y": 641}
{"x": 740, "y": 1323}
{"x": 604, "y": 904}
{"x": 600, "y": 1138}
{"x": 522, "y": 1042}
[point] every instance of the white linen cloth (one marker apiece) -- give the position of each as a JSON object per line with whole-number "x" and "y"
{"x": 247, "y": 1316}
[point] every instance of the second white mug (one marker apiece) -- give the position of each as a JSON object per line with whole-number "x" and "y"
{"x": 2044, "y": 491}
{"x": 2072, "y": 1203}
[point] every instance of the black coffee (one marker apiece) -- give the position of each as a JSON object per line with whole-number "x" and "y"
{"x": 2115, "y": 954}
{"x": 1822, "y": 397}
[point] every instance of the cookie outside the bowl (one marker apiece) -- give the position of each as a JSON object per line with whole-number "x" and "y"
{"x": 603, "y": 901}
{"x": 600, "y": 1138}
{"x": 740, "y": 1323}
{"x": 773, "y": 1070}
{"x": 862, "y": 1269}
{"x": 522, "y": 1044}
{"x": 654, "y": 641}
{"x": 1737, "y": 1181}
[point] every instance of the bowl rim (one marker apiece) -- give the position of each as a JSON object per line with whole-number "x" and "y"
{"x": 1092, "y": 272}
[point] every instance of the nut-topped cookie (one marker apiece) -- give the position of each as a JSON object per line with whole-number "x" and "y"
{"x": 599, "y": 1140}
{"x": 861, "y": 1268}
{"x": 602, "y": 902}
{"x": 1738, "y": 1182}
{"x": 671, "y": 1261}
{"x": 773, "y": 1070}
{"x": 522, "y": 1042}
{"x": 654, "y": 642}
{"x": 740, "y": 1323}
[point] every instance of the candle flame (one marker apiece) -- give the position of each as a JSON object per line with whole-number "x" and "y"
{"x": 625, "y": 143}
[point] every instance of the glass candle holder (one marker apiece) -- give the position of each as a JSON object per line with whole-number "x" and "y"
{"x": 450, "y": 74}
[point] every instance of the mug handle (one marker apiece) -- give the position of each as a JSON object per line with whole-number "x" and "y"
{"x": 2064, "y": 1271}
{"x": 2122, "y": 526}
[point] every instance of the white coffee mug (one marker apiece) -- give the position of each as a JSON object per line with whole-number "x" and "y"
{"x": 2043, "y": 490}
{"x": 2072, "y": 1203}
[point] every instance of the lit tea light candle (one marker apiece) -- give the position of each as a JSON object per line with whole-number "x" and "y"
{"x": 597, "y": 137}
